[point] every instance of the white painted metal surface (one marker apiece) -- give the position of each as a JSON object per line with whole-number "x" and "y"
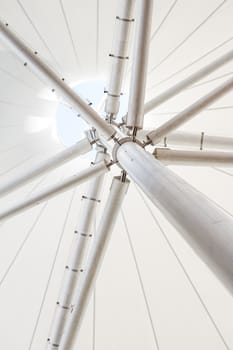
{"x": 75, "y": 267}
{"x": 200, "y": 141}
{"x": 39, "y": 66}
{"x": 95, "y": 257}
{"x": 119, "y": 55}
{"x": 205, "y": 227}
{"x": 135, "y": 114}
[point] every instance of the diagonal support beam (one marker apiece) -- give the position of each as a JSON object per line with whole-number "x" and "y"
{"x": 47, "y": 165}
{"x": 202, "y": 224}
{"x": 32, "y": 59}
{"x": 135, "y": 115}
{"x": 190, "y": 80}
{"x": 54, "y": 190}
{"x": 193, "y": 158}
{"x": 95, "y": 258}
{"x": 119, "y": 56}
{"x": 201, "y": 141}
{"x": 157, "y": 135}
{"x": 83, "y": 234}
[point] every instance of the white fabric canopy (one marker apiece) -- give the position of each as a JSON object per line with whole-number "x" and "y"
{"x": 153, "y": 292}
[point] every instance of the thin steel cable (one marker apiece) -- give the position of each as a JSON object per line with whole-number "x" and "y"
{"x": 163, "y": 20}
{"x": 223, "y": 171}
{"x": 12, "y": 76}
{"x": 209, "y": 81}
{"x": 97, "y": 35}
{"x": 51, "y": 271}
{"x": 205, "y": 110}
{"x": 18, "y": 164}
{"x": 187, "y": 66}
{"x": 22, "y": 245}
{"x": 12, "y": 126}
{"x": 37, "y": 32}
{"x": 155, "y": 33}
{"x": 94, "y": 321}
{"x": 19, "y": 250}
{"x": 184, "y": 270}
{"x": 189, "y": 36}
{"x": 155, "y": 337}
{"x": 69, "y": 33}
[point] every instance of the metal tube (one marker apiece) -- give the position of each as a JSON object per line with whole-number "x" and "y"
{"x": 140, "y": 62}
{"x": 45, "y": 166}
{"x": 95, "y": 257}
{"x": 31, "y": 59}
{"x": 77, "y": 258}
{"x": 198, "y": 158}
{"x": 54, "y": 190}
{"x": 156, "y": 135}
{"x": 203, "y": 225}
{"x": 183, "y": 84}
{"x": 119, "y": 56}
{"x": 201, "y": 141}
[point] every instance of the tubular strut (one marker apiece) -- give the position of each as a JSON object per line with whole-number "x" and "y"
{"x": 77, "y": 259}
{"x": 81, "y": 147}
{"x": 189, "y": 112}
{"x": 183, "y": 84}
{"x": 188, "y": 210}
{"x": 58, "y": 84}
{"x": 95, "y": 257}
{"x": 54, "y": 190}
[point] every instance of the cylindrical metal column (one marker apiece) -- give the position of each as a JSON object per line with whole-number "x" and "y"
{"x": 95, "y": 257}
{"x": 43, "y": 167}
{"x": 54, "y": 190}
{"x": 189, "y": 112}
{"x": 201, "y": 141}
{"x": 140, "y": 62}
{"x": 119, "y": 56}
{"x": 42, "y": 69}
{"x": 176, "y": 89}
{"x": 198, "y": 158}
{"x": 203, "y": 225}
{"x": 77, "y": 258}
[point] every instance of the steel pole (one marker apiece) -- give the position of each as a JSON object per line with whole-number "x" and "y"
{"x": 156, "y": 135}
{"x": 95, "y": 258}
{"x": 77, "y": 258}
{"x": 190, "y": 80}
{"x": 51, "y": 191}
{"x": 45, "y": 166}
{"x": 201, "y": 141}
{"x": 203, "y": 225}
{"x": 119, "y": 56}
{"x": 135, "y": 115}
{"x": 32, "y": 59}
{"x": 193, "y": 158}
